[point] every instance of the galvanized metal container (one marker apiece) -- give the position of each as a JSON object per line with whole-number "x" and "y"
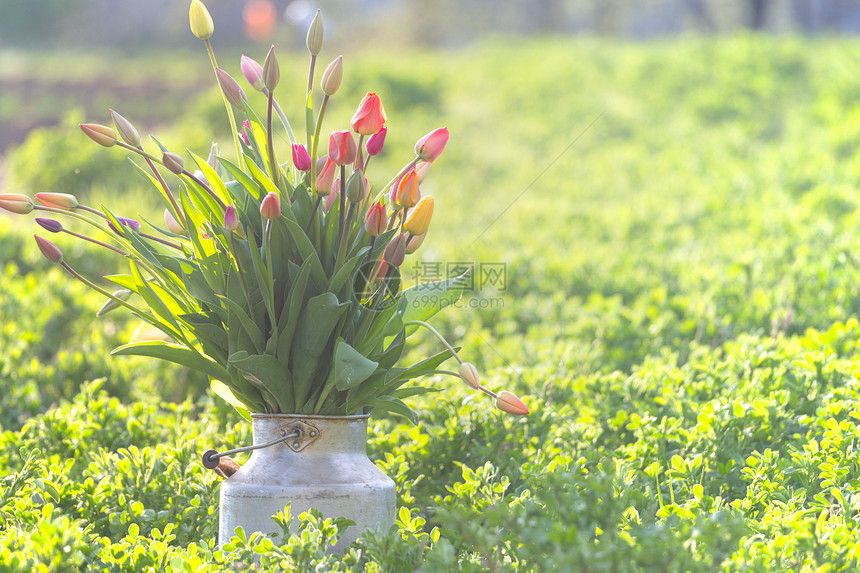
{"x": 322, "y": 463}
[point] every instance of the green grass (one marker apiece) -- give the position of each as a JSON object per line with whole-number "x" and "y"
{"x": 679, "y": 224}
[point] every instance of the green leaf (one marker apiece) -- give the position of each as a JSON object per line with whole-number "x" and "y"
{"x": 227, "y": 394}
{"x": 351, "y": 368}
{"x": 173, "y": 353}
{"x": 426, "y": 299}
{"x": 395, "y": 406}
{"x": 308, "y": 251}
{"x": 313, "y": 334}
{"x": 212, "y": 178}
{"x": 267, "y": 372}
{"x": 254, "y": 332}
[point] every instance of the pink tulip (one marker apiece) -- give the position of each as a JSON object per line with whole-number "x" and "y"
{"x": 51, "y": 251}
{"x": 376, "y": 141}
{"x": 301, "y": 158}
{"x": 395, "y": 251}
{"x": 246, "y": 127}
{"x": 325, "y": 178}
{"x": 341, "y": 147}
{"x": 469, "y": 374}
{"x": 431, "y": 145}
{"x": 253, "y": 72}
{"x": 231, "y": 219}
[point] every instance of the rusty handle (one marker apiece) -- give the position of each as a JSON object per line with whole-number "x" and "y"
{"x": 223, "y": 466}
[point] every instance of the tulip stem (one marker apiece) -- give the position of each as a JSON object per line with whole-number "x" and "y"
{"x": 313, "y": 212}
{"x": 342, "y": 203}
{"x": 95, "y": 287}
{"x": 435, "y": 332}
{"x": 179, "y": 214}
{"x": 146, "y": 155}
{"x": 241, "y": 275}
{"x": 282, "y": 116}
{"x": 97, "y": 242}
{"x": 272, "y": 161}
{"x": 317, "y": 130}
{"x": 232, "y": 119}
{"x": 271, "y": 305}
{"x": 358, "y": 163}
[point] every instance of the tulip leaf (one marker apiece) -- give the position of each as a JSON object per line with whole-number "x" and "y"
{"x": 291, "y": 311}
{"x": 307, "y": 250}
{"x": 249, "y": 184}
{"x": 212, "y": 178}
{"x": 351, "y": 368}
{"x": 395, "y": 406}
{"x": 313, "y": 333}
{"x": 228, "y": 395}
{"x": 254, "y": 332}
{"x": 265, "y": 371}
{"x": 175, "y": 353}
{"x": 426, "y": 299}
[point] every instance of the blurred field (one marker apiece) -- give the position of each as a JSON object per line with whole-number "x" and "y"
{"x": 678, "y": 225}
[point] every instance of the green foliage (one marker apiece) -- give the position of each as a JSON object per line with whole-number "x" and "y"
{"x": 680, "y": 315}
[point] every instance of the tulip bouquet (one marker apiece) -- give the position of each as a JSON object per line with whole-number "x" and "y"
{"x": 278, "y": 280}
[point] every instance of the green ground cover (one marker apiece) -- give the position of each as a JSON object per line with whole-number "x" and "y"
{"x": 679, "y": 311}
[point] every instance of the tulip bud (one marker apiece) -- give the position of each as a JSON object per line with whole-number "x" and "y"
{"x": 431, "y": 145}
{"x": 414, "y": 243}
{"x": 315, "y": 35}
{"x": 110, "y": 304}
{"x": 341, "y": 147}
{"x": 172, "y": 224}
{"x": 508, "y": 402}
{"x": 356, "y": 186}
{"x": 51, "y": 251}
{"x": 421, "y": 170}
{"x": 408, "y": 193}
{"x": 130, "y": 223}
{"x": 231, "y": 89}
{"x": 231, "y": 219}
{"x": 101, "y": 134}
{"x": 253, "y": 72}
{"x": 212, "y": 160}
{"x": 418, "y": 219}
{"x": 395, "y": 251}
{"x": 270, "y": 208}
{"x": 301, "y": 158}
{"x": 325, "y": 178}
{"x": 271, "y": 70}
{"x": 376, "y": 141}
{"x": 201, "y": 21}
{"x": 375, "y": 223}
{"x": 370, "y": 117}
{"x": 49, "y": 225}
{"x": 332, "y": 76}
{"x": 125, "y": 129}
{"x": 246, "y": 126}
{"x": 16, "y": 203}
{"x": 173, "y": 162}
{"x": 469, "y": 374}
{"x": 62, "y": 201}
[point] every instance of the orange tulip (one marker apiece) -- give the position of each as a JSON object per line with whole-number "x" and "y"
{"x": 408, "y": 193}
{"x": 510, "y": 403}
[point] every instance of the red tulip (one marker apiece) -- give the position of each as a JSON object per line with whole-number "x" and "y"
{"x": 370, "y": 117}
{"x": 376, "y": 222}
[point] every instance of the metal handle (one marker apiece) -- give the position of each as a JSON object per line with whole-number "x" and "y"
{"x": 303, "y": 433}
{"x": 210, "y": 457}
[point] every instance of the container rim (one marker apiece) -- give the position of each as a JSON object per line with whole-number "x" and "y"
{"x": 279, "y": 416}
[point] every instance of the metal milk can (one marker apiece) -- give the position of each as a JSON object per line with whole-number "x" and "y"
{"x": 306, "y": 461}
